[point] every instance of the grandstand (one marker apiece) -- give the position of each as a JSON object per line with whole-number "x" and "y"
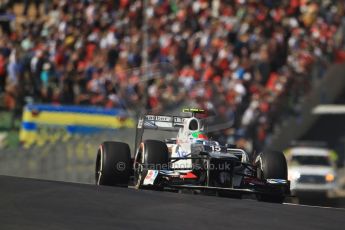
{"x": 251, "y": 61}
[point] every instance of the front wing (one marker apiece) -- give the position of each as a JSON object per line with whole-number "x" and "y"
{"x": 249, "y": 185}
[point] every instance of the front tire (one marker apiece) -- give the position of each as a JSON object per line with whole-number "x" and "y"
{"x": 113, "y": 164}
{"x": 152, "y": 155}
{"x": 271, "y": 165}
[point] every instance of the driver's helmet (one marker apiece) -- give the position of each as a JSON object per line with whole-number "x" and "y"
{"x": 198, "y": 137}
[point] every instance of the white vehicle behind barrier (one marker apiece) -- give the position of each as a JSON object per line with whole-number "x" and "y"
{"x": 311, "y": 171}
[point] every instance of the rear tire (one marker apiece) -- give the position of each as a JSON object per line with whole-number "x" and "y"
{"x": 152, "y": 155}
{"x": 113, "y": 164}
{"x": 271, "y": 165}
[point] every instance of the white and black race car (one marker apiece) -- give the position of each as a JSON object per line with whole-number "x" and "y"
{"x": 189, "y": 160}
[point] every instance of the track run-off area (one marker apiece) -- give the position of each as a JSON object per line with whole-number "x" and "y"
{"x": 39, "y": 204}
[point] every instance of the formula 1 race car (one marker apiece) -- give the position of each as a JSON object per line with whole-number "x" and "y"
{"x": 190, "y": 161}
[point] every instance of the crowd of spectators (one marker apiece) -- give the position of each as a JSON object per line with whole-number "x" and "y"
{"x": 248, "y": 60}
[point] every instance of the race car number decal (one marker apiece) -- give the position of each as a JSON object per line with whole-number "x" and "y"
{"x": 216, "y": 148}
{"x": 150, "y": 177}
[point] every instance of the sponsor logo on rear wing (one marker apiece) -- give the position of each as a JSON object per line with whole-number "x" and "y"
{"x": 160, "y": 122}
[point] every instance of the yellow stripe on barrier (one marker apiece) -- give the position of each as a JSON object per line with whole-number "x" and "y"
{"x": 28, "y": 137}
{"x": 56, "y": 118}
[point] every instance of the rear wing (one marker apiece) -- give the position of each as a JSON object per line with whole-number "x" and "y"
{"x": 160, "y": 122}
{"x": 156, "y": 122}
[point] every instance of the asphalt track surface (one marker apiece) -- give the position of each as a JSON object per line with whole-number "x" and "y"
{"x": 38, "y": 204}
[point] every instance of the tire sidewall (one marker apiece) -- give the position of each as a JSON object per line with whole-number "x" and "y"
{"x": 152, "y": 154}
{"x": 115, "y": 163}
{"x": 271, "y": 165}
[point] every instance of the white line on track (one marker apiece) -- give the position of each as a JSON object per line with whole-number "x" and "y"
{"x": 311, "y": 206}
